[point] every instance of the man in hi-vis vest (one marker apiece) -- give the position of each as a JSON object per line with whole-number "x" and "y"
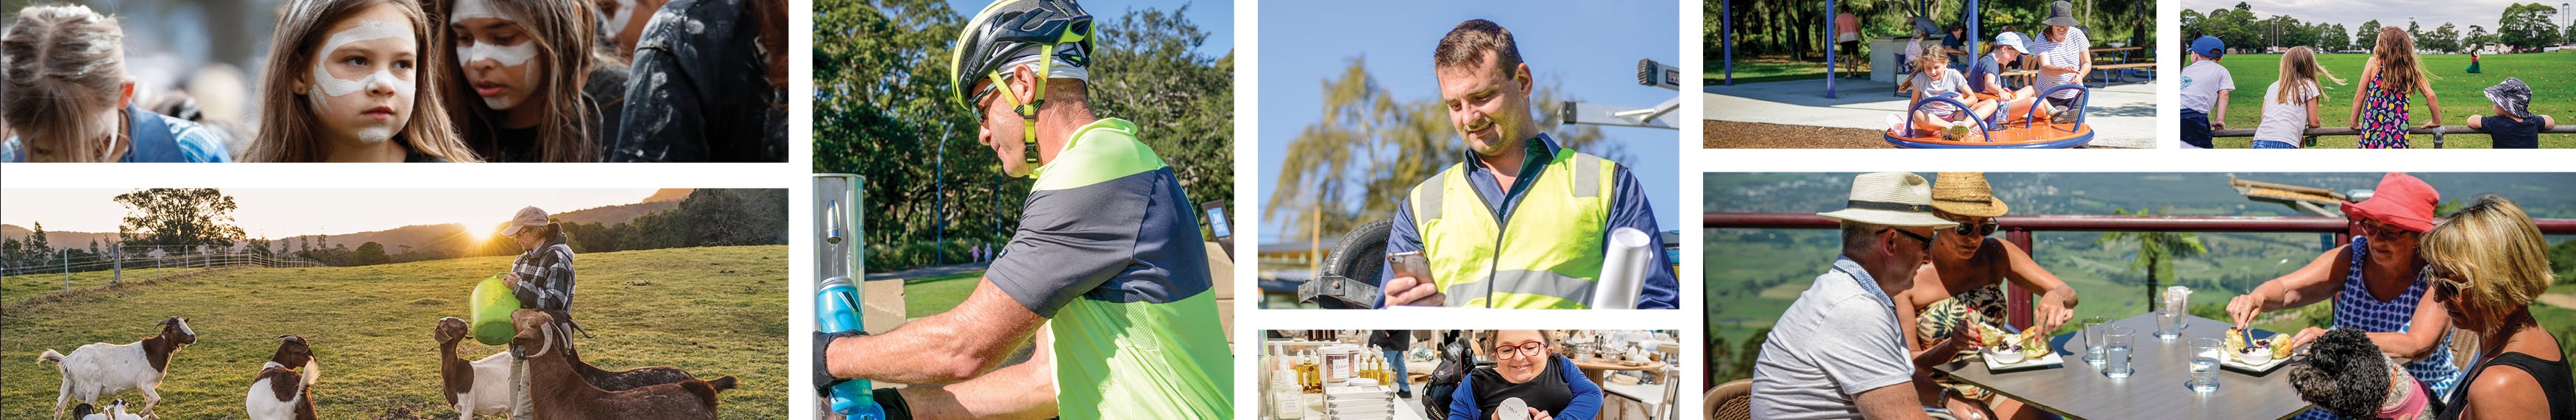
{"x": 1520, "y": 222}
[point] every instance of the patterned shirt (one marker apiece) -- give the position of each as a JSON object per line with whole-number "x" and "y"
{"x": 2354, "y": 307}
{"x": 549, "y": 267}
{"x": 2070, "y": 53}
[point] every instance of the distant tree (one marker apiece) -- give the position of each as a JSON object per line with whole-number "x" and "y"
{"x": 2191, "y": 21}
{"x": 36, "y": 242}
{"x": 2529, "y": 25}
{"x": 2366, "y": 38}
{"x": 2445, "y": 38}
{"x": 2477, "y": 36}
{"x": 370, "y": 253}
{"x": 2331, "y": 37}
{"x": 178, "y": 217}
{"x": 2156, "y": 251}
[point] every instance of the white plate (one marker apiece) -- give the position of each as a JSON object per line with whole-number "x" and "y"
{"x": 2051, "y": 359}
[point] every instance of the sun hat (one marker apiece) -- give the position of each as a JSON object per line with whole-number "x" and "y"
{"x": 2061, "y": 13}
{"x": 527, "y": 218}
{"x": 1966, "y": 194}
{"x": 2513, "y": 96}
{"x": 1890, "y": 199}
{"x": 2400, "y": 200}
{"x": 2209, "y": 46}
{"x": 2011, "y": 39}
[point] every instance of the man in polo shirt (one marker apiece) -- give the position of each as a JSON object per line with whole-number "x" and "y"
{"x": 1520, "y": 222}
{"x": 1107, "y": 271}
{"x": 1836, "y": 352}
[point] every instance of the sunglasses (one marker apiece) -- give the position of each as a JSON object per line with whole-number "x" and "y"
{"x": 2446, "y": 284}
{"x": 1927, "y": 241}
{"x": 2382, "y": 230}
{"x": 1977, "y": 229}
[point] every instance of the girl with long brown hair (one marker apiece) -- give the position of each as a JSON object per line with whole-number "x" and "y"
{"x": 2290, "y": 104}
{"x": 2393, "y": 72}
{"x": 344, "y": 85}
{"x": 521, "y": 66}
{"x": 67, "y": 92}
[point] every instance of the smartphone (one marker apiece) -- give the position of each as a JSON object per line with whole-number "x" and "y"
{"x": 1409, "y": 264}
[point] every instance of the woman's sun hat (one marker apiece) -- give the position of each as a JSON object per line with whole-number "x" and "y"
{"x": 2401, "y": 200}
{"x": 1966, "y": 194}
{"x": 527, "y": 218}
{"x": 2061, "y": 13}
{"x": 2512, "y": 96}
{"x": 1890, "y": 199}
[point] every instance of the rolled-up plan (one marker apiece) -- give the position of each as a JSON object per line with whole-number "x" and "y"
{"x": 1623, "y": 270}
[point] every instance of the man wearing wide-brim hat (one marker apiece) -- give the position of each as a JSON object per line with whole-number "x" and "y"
{"x": 1837, "y": 351}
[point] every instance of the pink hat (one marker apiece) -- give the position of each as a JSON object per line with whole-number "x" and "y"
{"x": 2401, "y": 200}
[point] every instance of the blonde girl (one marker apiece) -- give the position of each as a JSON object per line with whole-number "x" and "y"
{"x": 67, "y": 91}
{"x": 2392, "y": 71}
{"x": 2290, "y": 105}
{"x": 516, "y": 89}
{"x": 344, "y": 85}
{"x": 1933, "y": 78}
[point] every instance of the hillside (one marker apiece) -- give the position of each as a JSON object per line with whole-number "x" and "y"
{"x": 712, "y": 311}
{"x": 426, "y": 238}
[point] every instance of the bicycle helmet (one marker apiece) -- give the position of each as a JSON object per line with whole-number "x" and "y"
{"x": 1006, "y": 31}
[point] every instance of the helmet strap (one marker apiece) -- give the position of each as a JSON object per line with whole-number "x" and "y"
{"x": 1028, "y": 110}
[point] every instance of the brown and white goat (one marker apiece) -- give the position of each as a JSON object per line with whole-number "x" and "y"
{"x": 560, "y": 393}
{"x": 103, "y": 369}
{"x": 280, "y": 392}
{"x": 473, "y": 388}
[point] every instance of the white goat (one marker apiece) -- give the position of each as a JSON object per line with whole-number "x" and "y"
{"x": 473, "y": 388}
{"x": 280, "y": 392}
{"x": 114, "y": 411}
{"x": 110, "y": 369}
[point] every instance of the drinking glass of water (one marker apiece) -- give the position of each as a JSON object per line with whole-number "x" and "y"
{"x": 2168, "y": 325}
{"x": 2115, "y": 354}
{"x": 2204, "y": 364}
{"x": 2093, "y": 342}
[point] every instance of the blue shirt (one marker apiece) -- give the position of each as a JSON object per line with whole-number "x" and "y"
{"x": 1628, "y": 209}
{"x": 1985, "y": 66}
{"x": 1586, "y": 405}
{"x": 156, "y": 139}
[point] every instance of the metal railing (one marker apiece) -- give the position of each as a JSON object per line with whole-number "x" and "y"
{"x": 2309, "y": 136}
{"x": 2018, "y": 229}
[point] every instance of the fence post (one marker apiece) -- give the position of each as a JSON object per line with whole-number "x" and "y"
{"x": 66, "y": 256}
{"x": 116, "y": 262}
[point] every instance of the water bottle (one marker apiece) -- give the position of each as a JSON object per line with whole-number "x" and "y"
{"x": 837, "y": 306}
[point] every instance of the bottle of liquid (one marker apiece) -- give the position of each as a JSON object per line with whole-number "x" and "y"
{"x": 1307, "y": 380}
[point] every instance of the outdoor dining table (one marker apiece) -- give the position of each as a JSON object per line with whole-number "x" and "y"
{"x": 2158, "y": 389}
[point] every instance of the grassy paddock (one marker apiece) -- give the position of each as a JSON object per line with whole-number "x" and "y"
{"x": 712, "y": 311}
{"x": 2552, "y": 77}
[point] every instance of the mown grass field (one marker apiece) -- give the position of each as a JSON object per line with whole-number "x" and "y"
{"x": 711, "y": 311}
{"x": 2552, "y": 77}
{"x": 931, "y": 295}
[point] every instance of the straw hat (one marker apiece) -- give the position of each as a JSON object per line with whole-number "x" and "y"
{"x": 1890, "y": 199}
{"x": 2401, "y": 200}
{"x": 1966, "y": 194}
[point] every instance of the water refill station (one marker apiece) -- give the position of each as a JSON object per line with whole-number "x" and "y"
{"x": 838, "y": 297}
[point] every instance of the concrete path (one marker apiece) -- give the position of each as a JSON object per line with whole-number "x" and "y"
{"x": 930, "y": 271}
{"x": 2123, "y": 115}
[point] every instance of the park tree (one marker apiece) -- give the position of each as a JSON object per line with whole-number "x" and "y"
{"x": 2191, "y": 20}
{"x": 2366, "y": 38}
{"x": 179, "y": 217}
{"x": 2444, "y": 38}
{"x": 36, "y": 242}
{"x": 2529, "y": 25}
{"x": 2331, "y": 37}
{"x": 2156, "y": 251}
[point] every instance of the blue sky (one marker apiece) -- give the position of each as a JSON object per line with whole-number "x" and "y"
{"x": 1589, "y": 48}
{"x": 1215, "y": 17}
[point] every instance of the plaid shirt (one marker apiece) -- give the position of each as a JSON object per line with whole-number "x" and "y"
{"x": 549, "y": 267}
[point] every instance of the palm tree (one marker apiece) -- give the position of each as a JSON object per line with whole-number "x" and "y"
{"x": 2156, "y": 250}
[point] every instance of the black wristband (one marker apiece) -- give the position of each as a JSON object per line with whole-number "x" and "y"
{"x": 823, "y": 379}
{"x": 892, "y": 402}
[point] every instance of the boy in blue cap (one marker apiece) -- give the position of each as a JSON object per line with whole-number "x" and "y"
{"x": 2205, "y": 86}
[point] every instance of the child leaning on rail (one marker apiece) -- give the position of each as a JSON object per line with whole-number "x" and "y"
{"x": 2205, "y": 86}
{"x": 2513, "y": 126}
{"x": 2290, "y": 104}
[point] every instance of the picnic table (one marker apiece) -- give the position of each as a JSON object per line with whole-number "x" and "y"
{"x": 2157, "y": 391}
{"x": 2118, "y": 61}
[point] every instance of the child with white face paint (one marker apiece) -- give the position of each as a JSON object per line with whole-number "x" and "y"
{"x": 521, "y": 79}
{"x": 344, "y": 85}
{"x": 497, "y": 55}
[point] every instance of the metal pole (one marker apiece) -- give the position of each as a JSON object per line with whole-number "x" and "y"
{"x": 66, "y": 256}
{"x": 1830, "y": 33}
{"x": 939, "y": 204}
{"x": 1726, "y": 29}
{"x": 116, "y": 256}
{"x": 1973, "y": 35}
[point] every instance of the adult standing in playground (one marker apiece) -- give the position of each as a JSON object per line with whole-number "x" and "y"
{"x": 1561, "y": 205}
{"x": 2378, "y": 283}
{"x": 2065, "y": 56}
{"x": 1107, "y": 272}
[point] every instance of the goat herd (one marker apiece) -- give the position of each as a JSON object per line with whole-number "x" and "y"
{"x": 560, "y": 385}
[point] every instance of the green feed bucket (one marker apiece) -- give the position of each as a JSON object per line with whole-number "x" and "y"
{"x": 492, "y": 306}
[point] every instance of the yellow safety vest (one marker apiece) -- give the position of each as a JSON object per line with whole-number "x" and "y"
{"x": 1546, "y": 256}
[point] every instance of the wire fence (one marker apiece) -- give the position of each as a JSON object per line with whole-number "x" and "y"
{"x": 76, "y": 268}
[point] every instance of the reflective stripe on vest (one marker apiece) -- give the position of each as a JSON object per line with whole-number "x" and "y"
{"x": 1550, "y": 250}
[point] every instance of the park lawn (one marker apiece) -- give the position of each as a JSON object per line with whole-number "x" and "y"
{"x": 18, "y": 289}
{"x": 2552, "y": 77}
{"x": 930, "y": 295}
{"x": 1752, "y": 70}
{"x": 712, "y": 311}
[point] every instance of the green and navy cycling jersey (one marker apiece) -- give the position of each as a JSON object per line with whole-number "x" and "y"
{"x": 156, "y": 139}
{"x": 1108, "y": 249}
{"x": 1629, "y": 209}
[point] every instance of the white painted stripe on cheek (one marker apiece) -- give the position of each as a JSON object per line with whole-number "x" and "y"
{"x": 507, "y": 55}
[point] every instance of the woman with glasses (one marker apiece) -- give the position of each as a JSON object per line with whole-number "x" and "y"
{"x": 2488, "y": 263}
{"x": 1963, "y": 287}
{"x": 1527, "y": 370}
{"x": 2377, "y": 283}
